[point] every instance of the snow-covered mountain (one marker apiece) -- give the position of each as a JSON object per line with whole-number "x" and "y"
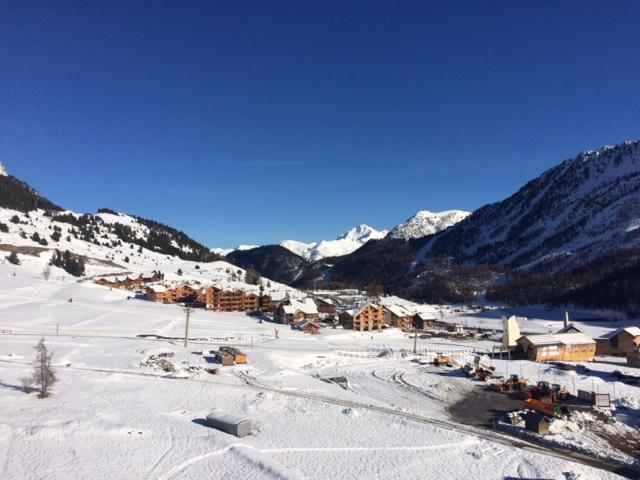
{"x": 107, "y": 243}
{"x": 342, "y": 245}
{"x": 3, "y": 171}
{"x": 586, "y": 206}
{"x": 226, "y": 251}
{"x": 426, "y": 223}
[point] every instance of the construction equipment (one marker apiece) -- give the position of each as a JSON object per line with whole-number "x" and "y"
{"x": 480, "y": 372}
{"x": 513, "y": 384}
{"x": 547, "y": 392}
{"x": 441, "y": 360}
{"x": 237, "y": 355}
{"x": 548, "y": 408}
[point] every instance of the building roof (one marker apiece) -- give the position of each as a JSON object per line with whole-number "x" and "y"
{"x": 560, "y": 338}
{"x": 158, "y": 288}
{"x": 633, "y": 331}
{"x": 308, "y": 307}
{"x": 399, "y": 310}
{"x": 426, "y": 315}
{"x": 571, "y": 328}
{"x": 357, "y": 310}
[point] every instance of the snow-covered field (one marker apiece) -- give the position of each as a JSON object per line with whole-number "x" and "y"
{"x": 339, "y": 405}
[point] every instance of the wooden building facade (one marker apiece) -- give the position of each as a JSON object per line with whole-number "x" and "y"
{"x": 292, "y": 312}
{"x": 181, "y": 294}
{"x": 366, "y": 318}
{"x": 399, "y": 317}
{"x": 129, "y": 283}
{"x": 569, "y": 347}
{"x": 620, "y": 342}
{"x": 326, "y": 308}
{"x": 220, "y": 300}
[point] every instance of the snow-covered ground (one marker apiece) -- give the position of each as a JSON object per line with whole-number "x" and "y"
{"x": 339, "y": 405}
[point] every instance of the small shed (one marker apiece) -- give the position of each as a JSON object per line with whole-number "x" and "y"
{"x": 232, "y": 425}
{"x": 308, "y": 326}
{"x": 538, "y": 423}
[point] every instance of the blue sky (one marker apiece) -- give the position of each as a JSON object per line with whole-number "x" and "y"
{"x": 250, "y": 122}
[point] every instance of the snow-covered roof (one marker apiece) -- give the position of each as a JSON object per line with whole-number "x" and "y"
{"x": 426, "y": 315}
{"x": 571, "y": 327}
{"x": 399, "y": 310}
{"x": 357, "y": 310}
{"x": 158, "y": 288}
{"x": 560, "y": 338}
{"x": 633, "y": 331}
{"x": 307, "y": 306}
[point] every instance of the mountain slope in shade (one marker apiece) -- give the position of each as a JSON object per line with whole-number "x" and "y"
{"x": 426, "y": 223}
{"x": 272, "y": 261}
{"x": 576, "y": 211}
{"x": 343, "y": 245}
{"x": 17, "y": 195}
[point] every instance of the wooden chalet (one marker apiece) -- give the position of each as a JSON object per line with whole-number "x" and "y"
{"x": 326, "y": 307}
{"x": 424, "y": 321}
{"x": 569, "y": 347}
{"x": 220, "y": 300}
{"x": 398, "y": 316}
{"x": 619, "y": 342}
{"x": 367, "y": 317}
{"x": 291, "y": 312}
{"x": 181, "y": 294}
{"x": 129, "y": 283}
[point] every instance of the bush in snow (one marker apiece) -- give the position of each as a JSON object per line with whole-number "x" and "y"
{"x": 4, "y": 227}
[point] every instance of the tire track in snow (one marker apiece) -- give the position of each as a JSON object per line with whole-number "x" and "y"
{"x": 490, "y": 435}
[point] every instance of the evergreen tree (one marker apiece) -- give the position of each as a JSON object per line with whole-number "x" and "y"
{"x": 13, "y": 258}
{"x": 43, "y": 375}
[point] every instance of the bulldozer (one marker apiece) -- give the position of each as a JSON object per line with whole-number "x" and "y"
{"x": 546, "y": 392}
{"x": 513, "y": 384}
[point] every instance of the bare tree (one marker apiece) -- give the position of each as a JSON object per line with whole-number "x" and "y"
{"x": 43, "y": 375}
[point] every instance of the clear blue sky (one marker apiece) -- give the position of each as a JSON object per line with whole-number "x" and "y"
{"x": 250, "y": 122}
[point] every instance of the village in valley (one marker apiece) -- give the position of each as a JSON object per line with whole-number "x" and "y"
{"x": 252, "y": 364}
{"x": 319, "y": 240}
{"x": 549, "y": 381}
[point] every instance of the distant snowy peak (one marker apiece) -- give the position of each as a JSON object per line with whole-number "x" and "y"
{"x": 3, "y": 171}
{"x": 426, "y": 223}
{"x": 299, "y": 248}
{"x": 342, "y": 245}
{"x": 226, "y": 251}
{"x": 362, "y": 233}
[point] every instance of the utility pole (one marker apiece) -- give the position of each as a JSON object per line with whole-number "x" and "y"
{"x": 187, "y": 310}
{"x": 415, "y": 342}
